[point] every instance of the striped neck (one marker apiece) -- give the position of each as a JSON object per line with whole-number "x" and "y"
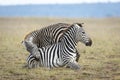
{"x": 69, "y": 37}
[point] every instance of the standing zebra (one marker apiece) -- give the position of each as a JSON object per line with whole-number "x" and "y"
{"x": 62, "y": 53}
{"x": 47, "y": 36}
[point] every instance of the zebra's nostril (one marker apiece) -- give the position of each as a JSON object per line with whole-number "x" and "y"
{"x": 89, "y": 43}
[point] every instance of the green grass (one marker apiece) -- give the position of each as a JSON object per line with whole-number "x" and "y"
{"x": 101, "y": 61}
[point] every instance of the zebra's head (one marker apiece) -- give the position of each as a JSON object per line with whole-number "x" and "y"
{"x": 81, "y": 34}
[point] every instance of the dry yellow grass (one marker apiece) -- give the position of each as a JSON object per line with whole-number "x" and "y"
{"x": 99, "y": 62}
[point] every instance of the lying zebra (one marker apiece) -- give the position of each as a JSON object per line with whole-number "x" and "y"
{"x": 47, "y": 36}
{"x": 62, "y": 53}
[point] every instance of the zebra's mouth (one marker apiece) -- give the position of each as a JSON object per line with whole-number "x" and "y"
{"x": 89, "y": 43}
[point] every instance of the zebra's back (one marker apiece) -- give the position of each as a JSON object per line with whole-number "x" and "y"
{"x": 48, "y": 35}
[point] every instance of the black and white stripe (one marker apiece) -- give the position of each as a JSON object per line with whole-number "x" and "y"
{"x": 47, "y": 36}
{"x": 62, "y": 53}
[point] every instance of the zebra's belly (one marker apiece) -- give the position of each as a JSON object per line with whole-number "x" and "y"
{"x": 53, "y": 63}
{"x": 51, "y": 56}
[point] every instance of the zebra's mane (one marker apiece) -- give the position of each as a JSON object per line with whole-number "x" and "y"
{"x": 80, "y": 24}
{"x": 72, "y": 25}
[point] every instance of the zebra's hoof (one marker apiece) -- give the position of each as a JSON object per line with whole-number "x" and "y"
{"x": 67, "y": 66}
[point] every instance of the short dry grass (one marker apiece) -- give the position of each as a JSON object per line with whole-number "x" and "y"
{"x": 101, "y": 61}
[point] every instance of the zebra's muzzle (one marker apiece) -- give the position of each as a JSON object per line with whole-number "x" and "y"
{"x": 89, "y": 43}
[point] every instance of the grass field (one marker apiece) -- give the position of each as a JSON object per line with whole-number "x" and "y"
{"x": 101, "y": 61}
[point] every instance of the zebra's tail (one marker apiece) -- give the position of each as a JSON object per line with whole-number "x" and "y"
{"x": 23, "y": 43}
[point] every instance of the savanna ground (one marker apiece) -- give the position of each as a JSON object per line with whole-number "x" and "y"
{"x": 101, "y": 61}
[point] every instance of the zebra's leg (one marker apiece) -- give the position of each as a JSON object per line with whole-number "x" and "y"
{"x": 36, "y": 53}
{"x": 77, "y": 58}
{"x": 74, "y": 65}
{"x": 32, "y": 48}
{"x": 59, "y": 62}
{"x": 77, "y": 55}
{"x": 32, "y": 62}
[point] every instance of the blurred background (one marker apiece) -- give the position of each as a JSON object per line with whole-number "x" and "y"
{"x": 60, "y": 8}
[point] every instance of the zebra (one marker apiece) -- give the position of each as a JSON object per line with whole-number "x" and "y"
{"x": 47, "y": 36}
{"x": 62, "y": 53}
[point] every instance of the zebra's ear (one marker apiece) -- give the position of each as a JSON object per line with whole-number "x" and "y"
{"x": 80, "y": 24}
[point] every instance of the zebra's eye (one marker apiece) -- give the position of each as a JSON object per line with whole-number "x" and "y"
{"x": 83, "y": 32}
